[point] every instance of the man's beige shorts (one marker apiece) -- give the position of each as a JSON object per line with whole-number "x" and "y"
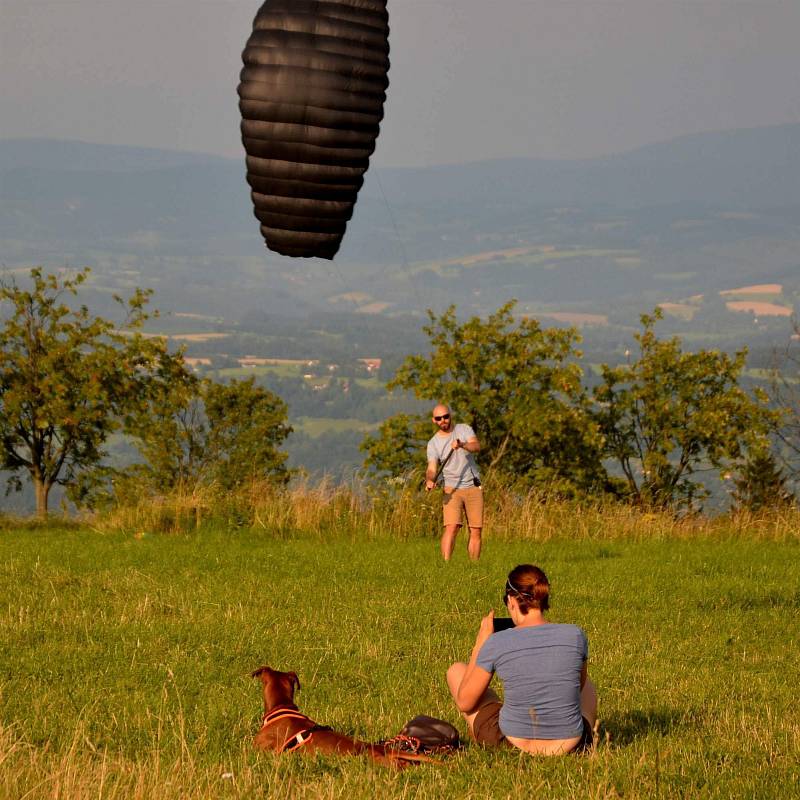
{"x": 458, "y": 501}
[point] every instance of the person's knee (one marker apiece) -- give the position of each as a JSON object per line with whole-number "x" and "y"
{"x": 456, "y": 670}
{"x": 455, "y": 674}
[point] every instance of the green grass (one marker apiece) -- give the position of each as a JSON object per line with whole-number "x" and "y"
{"x": 316, "y": 426}
{"x": 124, "y": 663}
{"x": 548, "y": 260}
{"x": 282, "y": 370}
{"x": 374, "y": 383}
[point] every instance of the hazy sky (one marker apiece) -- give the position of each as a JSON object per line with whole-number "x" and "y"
{"x": 470, "y": 79}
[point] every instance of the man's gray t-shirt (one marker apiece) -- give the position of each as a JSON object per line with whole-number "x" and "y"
{"x": 461, "y": 468}
{"x": 540, "y": 666}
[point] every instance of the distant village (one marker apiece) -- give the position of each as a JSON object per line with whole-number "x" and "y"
{"x": 314, "y": 370}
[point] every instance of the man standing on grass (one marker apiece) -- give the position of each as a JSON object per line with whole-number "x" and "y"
{"x": 455, "y": 444}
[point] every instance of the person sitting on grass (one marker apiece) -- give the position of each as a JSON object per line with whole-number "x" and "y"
{"x": 550, "y": 704}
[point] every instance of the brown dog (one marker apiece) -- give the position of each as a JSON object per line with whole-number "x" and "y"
{"x": 284, "y": 728}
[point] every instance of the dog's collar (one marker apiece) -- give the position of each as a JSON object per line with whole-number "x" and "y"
{"x": 282, "y": 712}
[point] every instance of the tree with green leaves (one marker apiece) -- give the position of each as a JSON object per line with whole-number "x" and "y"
{"x": 67, "y": 379}
{"x": 246, "y": 426}
{"x": 761, "y": 484}
{"x": 785, "y": 392}
{"x": 202, "y": 433}
{"x": 668, "y": 416}
{"x": 396, "y": 448}
{"x": 517, "y": 384}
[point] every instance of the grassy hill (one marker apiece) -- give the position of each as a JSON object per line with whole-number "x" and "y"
{"x": 126, "y": 661}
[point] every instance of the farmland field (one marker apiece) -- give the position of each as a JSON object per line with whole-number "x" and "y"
{"x": 125, "y": 663}
{"x": 539, "y": 256}
{"x": 259, "y": 371}
{"x": 316, "y": 426}
{"x": 759, "y": 307}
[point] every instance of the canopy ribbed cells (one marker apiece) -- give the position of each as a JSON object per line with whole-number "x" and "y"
{"x": 311, "y": 96}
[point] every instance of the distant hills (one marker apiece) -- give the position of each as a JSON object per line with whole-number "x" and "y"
{"x": 752, "y": 168}
{"x": 664, "y": 222}
{"x": 708, "y": 226}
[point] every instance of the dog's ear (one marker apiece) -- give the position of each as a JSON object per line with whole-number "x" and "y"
{"x": 295, "y": 680}
{"x": 258, "y": 673}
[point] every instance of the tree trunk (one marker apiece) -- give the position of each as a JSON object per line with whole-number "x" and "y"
{"x": 42, "y": 490}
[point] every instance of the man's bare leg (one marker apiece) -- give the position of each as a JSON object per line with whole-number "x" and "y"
{"x": 474, "y": 544}
{"x": 449, "y": 540}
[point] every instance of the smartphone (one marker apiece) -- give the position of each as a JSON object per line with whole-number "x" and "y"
{"x": 503, "y": 623}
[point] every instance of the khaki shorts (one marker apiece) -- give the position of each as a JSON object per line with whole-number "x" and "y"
{"x": 486, "y": 729}
{"x": 486, "y": 726}
{"x": 458, "y": 501}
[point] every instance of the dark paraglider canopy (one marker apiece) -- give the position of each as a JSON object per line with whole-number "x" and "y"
{"x": 311, "y": 96}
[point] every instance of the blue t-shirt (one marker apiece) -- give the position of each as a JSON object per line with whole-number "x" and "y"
{"x": 461, "y": 468}
{"x": 540, "y": 666}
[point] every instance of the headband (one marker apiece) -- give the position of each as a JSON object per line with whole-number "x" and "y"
{"x": 511, "y": 588}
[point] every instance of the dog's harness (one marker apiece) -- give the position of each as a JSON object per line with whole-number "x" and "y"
{"x": 297, "y": 740}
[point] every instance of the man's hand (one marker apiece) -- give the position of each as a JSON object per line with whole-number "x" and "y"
{"x": 457, "y": 444}
{"x": 429, "y": 484}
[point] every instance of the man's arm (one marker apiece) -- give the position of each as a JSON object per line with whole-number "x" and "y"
{"x": 430, "y": 474}
{"x": 471, "y": 445}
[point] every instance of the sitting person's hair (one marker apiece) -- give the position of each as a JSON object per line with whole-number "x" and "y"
{"x": 530, "y": 586}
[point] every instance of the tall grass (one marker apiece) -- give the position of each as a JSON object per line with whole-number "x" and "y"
{"x": 401, "y": 510}
{"x": 124, "y": 653}
{"x": 125, "y": 660}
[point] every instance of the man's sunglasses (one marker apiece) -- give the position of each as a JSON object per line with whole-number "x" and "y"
{"x": 443, "y": 416}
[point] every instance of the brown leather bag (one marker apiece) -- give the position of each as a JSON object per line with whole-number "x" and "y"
{"x": 424, "y": 734}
